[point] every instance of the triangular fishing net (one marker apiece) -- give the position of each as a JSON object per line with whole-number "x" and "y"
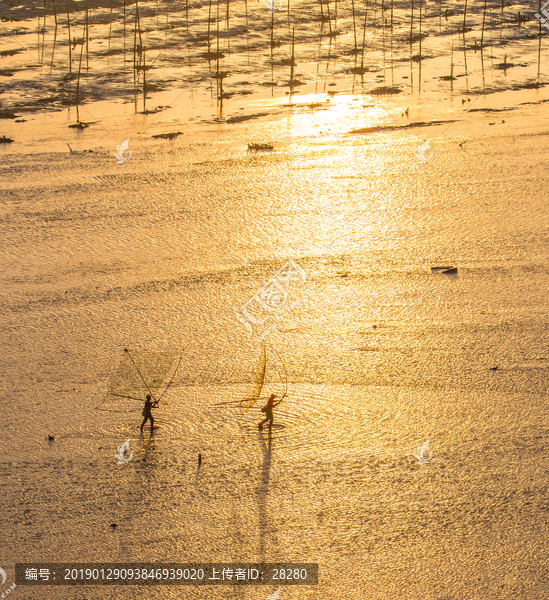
{"x": 140, "y": 372}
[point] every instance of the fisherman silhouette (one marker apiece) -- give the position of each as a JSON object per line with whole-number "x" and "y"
{"x": 268, "y": 410}
{"x": 147, "y": 415}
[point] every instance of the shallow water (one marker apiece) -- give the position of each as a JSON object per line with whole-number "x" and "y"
{"x": 377, "y": 355}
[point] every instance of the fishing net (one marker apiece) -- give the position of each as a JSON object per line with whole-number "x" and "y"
{"x": 253, "y": 392}
{"x": 139, "y": 373}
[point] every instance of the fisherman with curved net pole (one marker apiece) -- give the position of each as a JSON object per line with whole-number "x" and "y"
{"x": 268, "y": 410}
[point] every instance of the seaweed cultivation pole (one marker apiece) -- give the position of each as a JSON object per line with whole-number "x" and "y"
{"x": 78, "y": 80}
{"x": 53, "y": 49}
{"x": 144, "y": 82}
{"x": 217, "y": 34}
{"x": 55, "y": 13}
{"x": 329, "y": 18}
{"x": 483, "y": 23}
{"x": 419, "y": 74}
{"x": 354, "y": 27}
{"x": 124, "y": 19}
{"x": 482, "y": 69}
{"x": 69, "y": 29}
{"x": 209, "y": 21}
{"x": 292, "y": 61}
{"x": 44, "y": 31}
{"x": 137, "y": 29}
{"x": 272, "y": 33}
{"x": 539, "y": 43}
{"x": 452, "y": 67}
{"x": 87, "y": 39}
{"x": 464, "y": 17}
{"x": 109, "y": 44}
{"x": 465, "y": 64}
{"x": 322, "y": 17}
{"x": 419, "y": 37}
{"x": 364, "y": 37}
{"x": 411, "y": 26}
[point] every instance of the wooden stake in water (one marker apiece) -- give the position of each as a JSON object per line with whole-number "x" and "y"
{"x": 124, "y": 30}
{"x": 55, "y": 13}
{"x": 354, "y": 25}
{"x": 364, "y": 35}
{"x": 292, "y": 60}
{"x": 464, "y": 17}
{"x": 539, "y": 43}
{"x": 420, "y": 38}
{"x": 209, "y": 20}
{"x": 144, "y": 80}
{"x": 329, "y": 17}
{"x": 70, "y": 41}
{"x": 78, "y": 80}
{"x": 483, "y": 23}
{"x": 53, "y": 49}
{"x": 452, "y": 67}
{"x": 87, "y": 39}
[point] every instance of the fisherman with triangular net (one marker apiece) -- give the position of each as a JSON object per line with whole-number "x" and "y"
{"x": 147, "y": 415}
{"x": 142, "y": 373}
{"x": 268, "y": 410}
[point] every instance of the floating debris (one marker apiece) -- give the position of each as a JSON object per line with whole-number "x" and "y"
{"x": 8, "y": 52}
{"x": 149, "y": 112}
{"x": 242, "y": 118}
{"x": 81, "y": 125}
{"x": 258, "y": 147}
{"x": 380, "y": 91}
{"x": 444, "y": 269}
{"x": 51, "y": 438}
{"x": 168, "y": 136}
{"x": 381, "y": 128}
{"x": 494, "y": 368}
{"x": 213, "y": 55}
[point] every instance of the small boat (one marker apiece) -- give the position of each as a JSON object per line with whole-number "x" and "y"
{"x": 444, "y": 269}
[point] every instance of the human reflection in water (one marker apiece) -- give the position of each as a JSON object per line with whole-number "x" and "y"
{"x": 263, "y": 490}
